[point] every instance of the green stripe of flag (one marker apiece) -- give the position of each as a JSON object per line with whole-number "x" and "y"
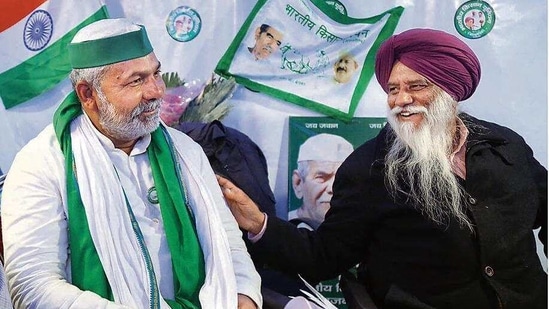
{"x": 43, "y": 71}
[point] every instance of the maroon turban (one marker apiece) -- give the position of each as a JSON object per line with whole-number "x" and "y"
{"x": 441, "y": 57}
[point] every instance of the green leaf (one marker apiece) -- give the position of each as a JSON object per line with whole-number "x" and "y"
{"x": 172, "y": 80}
{"x": 212, "y": 103}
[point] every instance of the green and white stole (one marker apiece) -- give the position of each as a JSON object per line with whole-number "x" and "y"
{"x": 87, "y": 264}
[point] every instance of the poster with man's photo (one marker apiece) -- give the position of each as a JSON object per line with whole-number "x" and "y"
{"x": 308, "y": 53}
{"x": 317, "y": 147}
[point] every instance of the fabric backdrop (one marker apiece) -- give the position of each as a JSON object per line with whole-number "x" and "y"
{"x": 512, "y": 90}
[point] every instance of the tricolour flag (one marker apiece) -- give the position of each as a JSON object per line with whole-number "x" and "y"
{"x": 34, "y": 35}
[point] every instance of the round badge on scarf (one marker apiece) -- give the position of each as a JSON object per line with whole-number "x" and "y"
{"x": 474, "y": 19}
{"x": 152, "y": 195}
{"x": 183, "y": 24}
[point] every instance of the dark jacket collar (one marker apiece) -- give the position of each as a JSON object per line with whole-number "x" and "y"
{"x": 483, "y": 134}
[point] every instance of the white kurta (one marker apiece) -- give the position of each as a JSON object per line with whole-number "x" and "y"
{"x": 34, "y": 219}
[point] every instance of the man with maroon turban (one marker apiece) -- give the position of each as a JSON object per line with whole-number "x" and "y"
{"x": 438, "y": 209}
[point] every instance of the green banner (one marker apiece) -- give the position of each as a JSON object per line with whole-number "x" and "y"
{"x": 327, "y": 141}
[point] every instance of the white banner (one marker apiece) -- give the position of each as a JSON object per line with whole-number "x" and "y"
{"x": 512, "y": 91}
{"x": 309, "y": 55}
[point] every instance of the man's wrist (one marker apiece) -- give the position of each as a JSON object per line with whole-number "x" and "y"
{"x": 258, "y": 223}
{"x": 254, "y": 237}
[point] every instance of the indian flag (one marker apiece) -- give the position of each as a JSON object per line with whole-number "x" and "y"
{"x": 34, "y": 35}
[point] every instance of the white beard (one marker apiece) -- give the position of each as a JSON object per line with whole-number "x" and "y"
{"x": 418, "y": 165}
{"x": 127, "y": 126}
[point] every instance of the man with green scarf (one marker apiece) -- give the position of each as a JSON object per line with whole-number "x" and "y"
{"x": 108, "y": 207}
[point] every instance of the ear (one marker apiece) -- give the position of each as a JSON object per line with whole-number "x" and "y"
{"x": 85, "y": 94}
{"x": 297, "y": 184}
{"x": 257, "y": 32}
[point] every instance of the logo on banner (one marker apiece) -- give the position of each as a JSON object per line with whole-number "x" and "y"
{"x": 474, "y": 19}
{"x": 183, "y": 24}
{"x": 38, "y": 30}
{"x": 336, "y": 4}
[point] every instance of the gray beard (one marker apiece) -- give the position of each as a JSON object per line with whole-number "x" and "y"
{"x": 418, "y": 165}
{"x": 127, "y": 127}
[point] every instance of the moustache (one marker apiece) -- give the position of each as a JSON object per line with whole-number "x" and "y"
{"x": 146, "y": 107}
{"x": 409, "y": 109}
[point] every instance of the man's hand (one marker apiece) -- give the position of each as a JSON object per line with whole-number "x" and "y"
{"x": 245, "y": 211}
{"x": 244, "y": 302}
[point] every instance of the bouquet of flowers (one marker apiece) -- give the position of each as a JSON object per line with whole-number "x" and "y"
{"x": 195, "y": 101}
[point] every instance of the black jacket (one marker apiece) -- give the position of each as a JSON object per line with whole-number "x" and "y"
{"x": 409, "y": 261}
{"x": 235, "y": 156}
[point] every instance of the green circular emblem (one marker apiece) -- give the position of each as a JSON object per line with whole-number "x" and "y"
{"x": 336, "y": 4}
{"x": 183, "y": 24}
{"x": 474, "y": 19}
{"x": 152, "y": 195}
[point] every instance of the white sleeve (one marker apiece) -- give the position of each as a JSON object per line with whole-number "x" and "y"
{"x": 248, "y": 281}
{"x": 34, "y": 227}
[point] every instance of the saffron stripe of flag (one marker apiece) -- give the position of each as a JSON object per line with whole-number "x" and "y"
{"x": 28, "y": 73}
{"x": 15, "y": 10}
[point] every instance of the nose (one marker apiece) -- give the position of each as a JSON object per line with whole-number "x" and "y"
{"x": 154, "y": 88}
{"x": 403, "y": 98}
{"x": 329, "y": 185}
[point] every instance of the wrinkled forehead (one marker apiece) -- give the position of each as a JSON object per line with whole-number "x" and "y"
{"x": 317, "y": 165}
{"x": 402, "y": 73}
